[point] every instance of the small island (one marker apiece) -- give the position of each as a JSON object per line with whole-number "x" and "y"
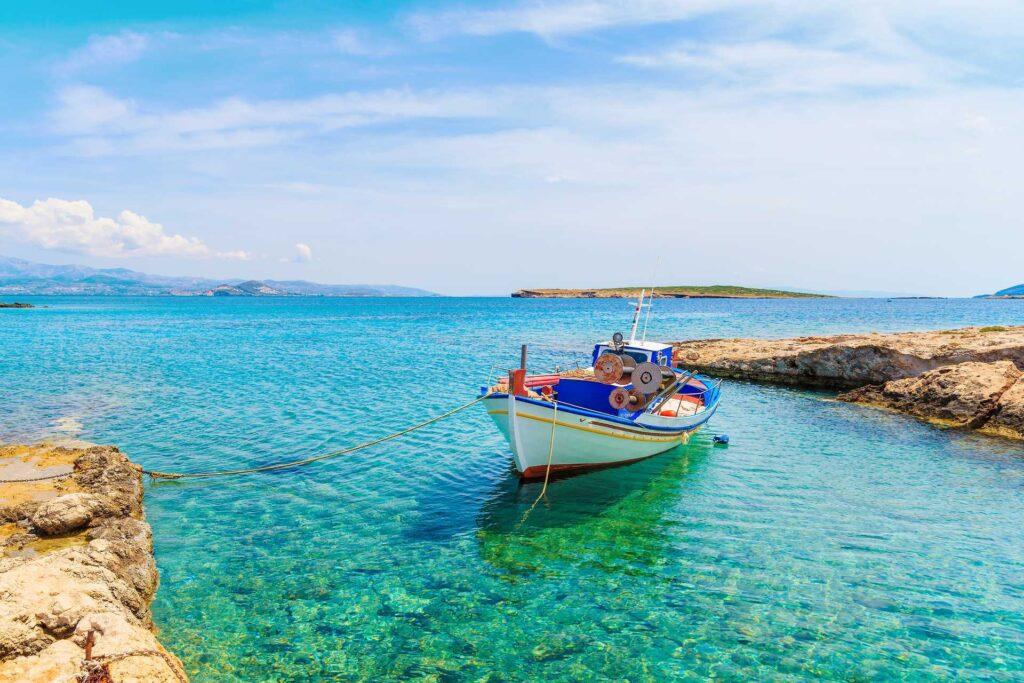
{"x": 15, "y": 304}
{"x": 673, "y": 292}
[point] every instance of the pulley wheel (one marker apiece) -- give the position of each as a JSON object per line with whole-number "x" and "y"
{"x": 619, "y": 398}
{"x": 608, "y": 368}
{"x": 646, "y": 377}
{"x": 637, "y": 399}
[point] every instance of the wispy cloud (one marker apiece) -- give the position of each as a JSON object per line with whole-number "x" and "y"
{"x": 556, "y": 18}
{"x": 103, "y": 124}
{"x": 73, "y": 226}
{"x": 775, "y": 66}
{"x": 303, "y": 253}
{"x": 549, "y": 18}
{"x": 352, "y": 42}
{"x": 891, "y": 42}
{"x": 106, "y": 50}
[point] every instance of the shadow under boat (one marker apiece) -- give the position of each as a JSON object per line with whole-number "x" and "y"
{"x": 609, "y": 516}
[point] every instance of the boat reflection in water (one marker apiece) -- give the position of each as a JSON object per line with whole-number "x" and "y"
{"x": 611, "y": 519}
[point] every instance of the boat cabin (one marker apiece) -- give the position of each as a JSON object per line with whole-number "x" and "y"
{"x": 641, "y": 352}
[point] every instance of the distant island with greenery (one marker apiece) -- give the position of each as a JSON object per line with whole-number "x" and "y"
{"x": 673, "y": 292}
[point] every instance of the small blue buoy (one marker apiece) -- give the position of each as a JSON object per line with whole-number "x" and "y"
{"x": 721, "y": 439}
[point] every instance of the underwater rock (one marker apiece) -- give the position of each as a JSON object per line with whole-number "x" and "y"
{"x": 78, "y": 557}
{"x": 963, "y": 395}
{"x": 851, "y": 360}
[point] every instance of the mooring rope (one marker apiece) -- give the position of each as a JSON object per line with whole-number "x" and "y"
{"x": 547, "y": 471}
{"x": 316, "y": 458}
{"x": 46, "y": 478}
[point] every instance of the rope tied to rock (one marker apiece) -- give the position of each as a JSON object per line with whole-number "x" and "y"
{"x": 155, "y": 474}
{"x": 28, "y": 481}
{"x": 97, "y": 669}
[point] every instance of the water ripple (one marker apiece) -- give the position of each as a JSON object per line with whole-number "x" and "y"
{"x": 826, "y": 542}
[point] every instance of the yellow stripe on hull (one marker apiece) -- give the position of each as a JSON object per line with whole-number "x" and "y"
{"x": 680, "y": 437}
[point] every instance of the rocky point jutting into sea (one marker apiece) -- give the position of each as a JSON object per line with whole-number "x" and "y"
{"x": 76, "y": 557}
{"x": 970, "y": 377}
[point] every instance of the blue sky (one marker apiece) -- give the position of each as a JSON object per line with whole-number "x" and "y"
{"x": 479, "y": 148}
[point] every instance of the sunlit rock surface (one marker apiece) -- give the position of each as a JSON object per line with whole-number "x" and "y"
{"x": 850, "y": 360}
{"x": 985, "y": 396}
{"x": 76, "y": 555}
{"x": 967, "y": 378}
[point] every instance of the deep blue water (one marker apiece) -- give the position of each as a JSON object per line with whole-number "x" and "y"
{"x": 827, "y": 541}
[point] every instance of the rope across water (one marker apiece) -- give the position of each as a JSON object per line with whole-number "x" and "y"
{"x": 316, "y": 458}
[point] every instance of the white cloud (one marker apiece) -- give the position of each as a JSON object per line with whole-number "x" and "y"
{"x": 777, "y": 66}
{"x": 100, "y": 123}
{"x": 556, "y": 18}
{"x": 550, "y": 18}
{"x": 303, "y": 253}
{"x": 106, "y": 50}
{"x": 354, "y": 43}
{"x": 73, "y": 226}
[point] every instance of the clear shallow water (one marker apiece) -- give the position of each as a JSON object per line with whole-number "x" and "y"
{"x": 828, "y": 541}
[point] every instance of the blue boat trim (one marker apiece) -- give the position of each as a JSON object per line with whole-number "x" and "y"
{"x": 626, "y": 422}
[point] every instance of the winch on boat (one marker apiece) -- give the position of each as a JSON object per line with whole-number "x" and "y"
{"x": 628, "y": 405}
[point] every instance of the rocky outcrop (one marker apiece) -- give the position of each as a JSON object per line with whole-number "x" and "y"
{"x": 1009, "y": 419}
{"x": 985, "y": 396}
{"x": 851, "y": 360}
{"x": 969, "y": 378}
{"x": 76, "y": 556}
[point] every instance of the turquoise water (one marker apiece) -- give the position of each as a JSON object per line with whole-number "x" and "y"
{"x": 828, "y": 541}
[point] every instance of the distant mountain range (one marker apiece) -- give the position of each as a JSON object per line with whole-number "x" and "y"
{"x": 18, "y": 276}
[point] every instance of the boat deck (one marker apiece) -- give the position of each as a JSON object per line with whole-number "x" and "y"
{"x": 680, "y": 405}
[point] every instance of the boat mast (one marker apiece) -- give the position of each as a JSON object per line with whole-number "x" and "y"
{"x": 647, "y": 318}
{"x": 636, "y": 316}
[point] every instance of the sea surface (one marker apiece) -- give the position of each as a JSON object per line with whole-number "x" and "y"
{"x": 828, "y": 541}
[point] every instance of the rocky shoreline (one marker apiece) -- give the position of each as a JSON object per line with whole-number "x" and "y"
{"x": 76, "y": 557}
{"x": 968, "y": 378}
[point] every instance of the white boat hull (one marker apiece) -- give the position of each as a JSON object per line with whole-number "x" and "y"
{"x": 580, "y": 441}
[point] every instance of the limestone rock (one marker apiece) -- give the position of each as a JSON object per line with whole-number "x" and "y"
{"x": 1009, "y": 419}
{"x": 963, "y": 395}
{"x": 98, "y": 575}
{"x": 66, "y": 513}
{"x": 851, "y": 360}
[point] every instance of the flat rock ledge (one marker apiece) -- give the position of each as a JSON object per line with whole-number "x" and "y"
{"x": 76, "y": 555}
{"x": 967, "y": 378}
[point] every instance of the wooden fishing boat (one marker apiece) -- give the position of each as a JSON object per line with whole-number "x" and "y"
{"x": 629, "y": 405}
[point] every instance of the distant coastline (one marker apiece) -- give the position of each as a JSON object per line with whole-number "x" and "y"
{"x": 674, "y": 292}
{"x": 19, "y": 277}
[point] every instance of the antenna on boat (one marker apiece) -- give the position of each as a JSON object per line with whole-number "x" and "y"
{"x": 647, "y": 318}
{"x": 636, "y": 316}
{"x": 650, "y": 304}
